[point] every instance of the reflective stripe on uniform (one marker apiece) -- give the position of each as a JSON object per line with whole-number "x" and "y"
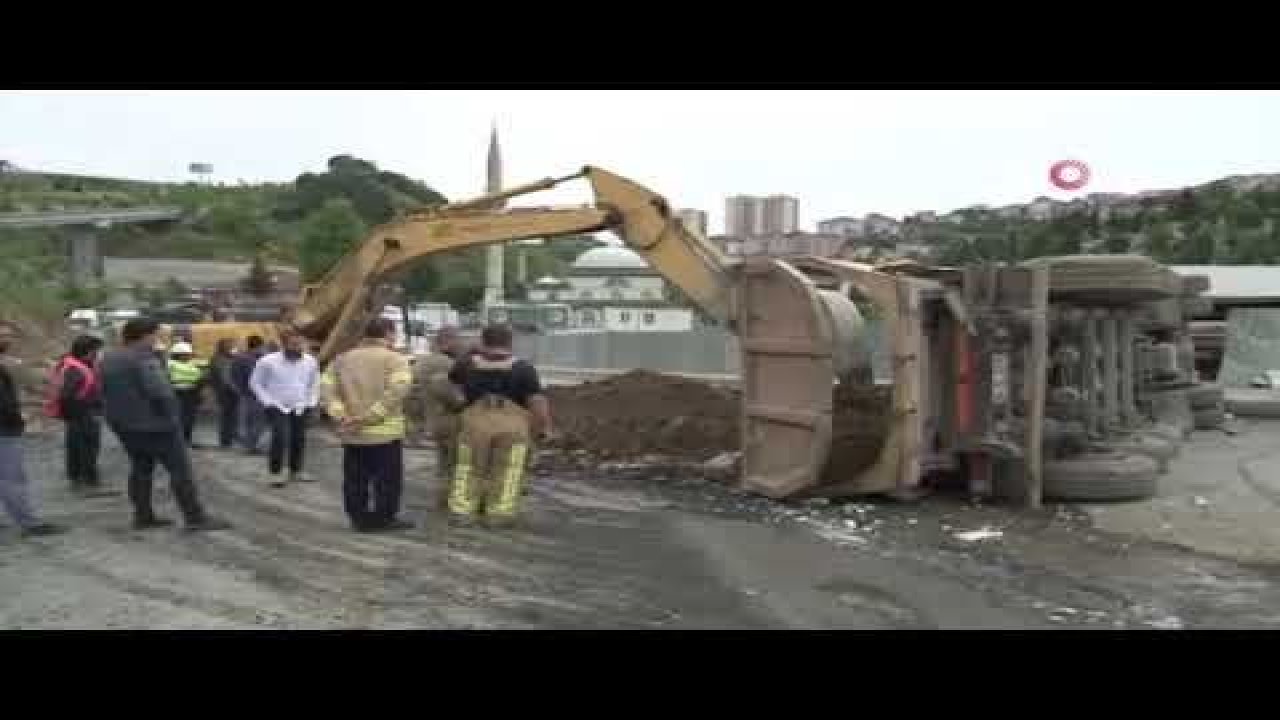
{"x": 512, "y": 480}
{"x": 462, "y": 498}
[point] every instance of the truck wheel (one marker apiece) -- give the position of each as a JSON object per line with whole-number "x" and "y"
{"x": 1170, "y": 408}
{"x": 1109, "y": 279}
{"x": 1210, "y": 418}
{"x": 1205, "y": 396}
{"x": 1158, "y": 448}
{"x": 1253, "y": 402}
{"x": 1101, "y": 476}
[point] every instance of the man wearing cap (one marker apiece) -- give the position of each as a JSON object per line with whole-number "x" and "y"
{"x": 187, "y": 378}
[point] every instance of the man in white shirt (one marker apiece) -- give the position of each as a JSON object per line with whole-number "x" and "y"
{"x": 287, "y": 383}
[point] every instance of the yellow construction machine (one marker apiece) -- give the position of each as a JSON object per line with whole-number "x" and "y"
{"x": 968, "y": 389}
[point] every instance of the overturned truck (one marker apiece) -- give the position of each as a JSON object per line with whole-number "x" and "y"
{"x": 1062, "y": 378}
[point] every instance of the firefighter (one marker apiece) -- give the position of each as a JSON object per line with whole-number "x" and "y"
{"x": 437, "y": 402}
{"x": 187, "y": 378}
{"x": 504, "y": 407}
{"x": 364, "y": 390}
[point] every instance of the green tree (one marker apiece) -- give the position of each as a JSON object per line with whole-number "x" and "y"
{"x": 1161, "y": 243}
{"x": 326, "y": 235}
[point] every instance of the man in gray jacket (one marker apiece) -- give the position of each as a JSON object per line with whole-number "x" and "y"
{"x": 142, "y": 410}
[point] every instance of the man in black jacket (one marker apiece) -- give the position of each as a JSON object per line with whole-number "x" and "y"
{"x": 143, "y": 411}
{"x": 80, "y": 402}
{"x": 13, "y": 474}
{"x": 224, "y": 389}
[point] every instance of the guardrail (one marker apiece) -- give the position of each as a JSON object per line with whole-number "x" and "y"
{"x": 89, "y": 217}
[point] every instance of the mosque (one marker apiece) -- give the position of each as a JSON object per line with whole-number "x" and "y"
{"x": 612, "y": 288}
{"x": 607, "y": 288}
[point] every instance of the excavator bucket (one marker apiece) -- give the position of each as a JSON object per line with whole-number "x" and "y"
{"x": 788, "y": 371}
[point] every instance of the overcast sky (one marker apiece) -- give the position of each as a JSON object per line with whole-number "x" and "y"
{"x": 841, "y": 152}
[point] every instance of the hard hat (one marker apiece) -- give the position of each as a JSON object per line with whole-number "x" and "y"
{"x": 181, "y": 348}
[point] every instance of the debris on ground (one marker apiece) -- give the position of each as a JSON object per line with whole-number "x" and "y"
{"x": 978, "y": 535}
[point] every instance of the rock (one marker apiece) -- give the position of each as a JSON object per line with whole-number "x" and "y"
{"x": 723, "y": 463}
{"x": 978, "y": 535}
{"x": 1200, "y": 502}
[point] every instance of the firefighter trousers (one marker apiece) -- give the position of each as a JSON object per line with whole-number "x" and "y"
{"x": 489, "y": 470}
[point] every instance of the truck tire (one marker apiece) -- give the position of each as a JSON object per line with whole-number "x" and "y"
{"x": 1108, "y": 279}
{"x": 1158, "y": 448}
{"x": 1170, "y": 408}
{"x": 1253, "y": 402}
{"x": 1100, "y": 476}
{"x": 1205, "y": 396}
{"x": 1210, "y": 418}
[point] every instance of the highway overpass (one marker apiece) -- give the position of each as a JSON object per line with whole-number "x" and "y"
{"x": 83, "y": 249}
{"x": 97, "y": 218}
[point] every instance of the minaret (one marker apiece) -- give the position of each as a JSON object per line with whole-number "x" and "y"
{"x": 493, "y": 270}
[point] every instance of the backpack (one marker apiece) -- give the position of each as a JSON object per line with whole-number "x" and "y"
{"x": 53, "y": 400}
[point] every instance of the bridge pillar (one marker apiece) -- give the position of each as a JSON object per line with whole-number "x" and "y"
{"x": 84, "y": 253}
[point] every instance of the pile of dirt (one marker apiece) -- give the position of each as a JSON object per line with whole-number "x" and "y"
{"x": 642, "y": 413}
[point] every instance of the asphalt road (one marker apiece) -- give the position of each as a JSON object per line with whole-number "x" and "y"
{"x": 624, "y": 548}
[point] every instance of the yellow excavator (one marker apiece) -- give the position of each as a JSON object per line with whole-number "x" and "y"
{"x": 800, "y": 330}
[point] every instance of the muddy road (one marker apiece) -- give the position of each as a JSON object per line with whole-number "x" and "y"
{"x": 611, "y": 547}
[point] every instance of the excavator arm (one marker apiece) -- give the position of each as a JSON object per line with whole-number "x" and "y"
{"x": 335, "y": 310}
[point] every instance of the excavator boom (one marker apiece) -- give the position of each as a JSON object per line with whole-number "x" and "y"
{"x": 335, "y": 310}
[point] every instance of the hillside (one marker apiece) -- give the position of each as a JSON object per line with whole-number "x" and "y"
{"x": 1235, "y": 220}
{"x": 308, "y": 223}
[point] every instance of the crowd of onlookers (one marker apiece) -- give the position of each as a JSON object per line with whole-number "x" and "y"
{"x": 481, "y": 405}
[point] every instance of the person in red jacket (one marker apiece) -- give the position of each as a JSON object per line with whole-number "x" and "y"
{"x": 80, "y": 405}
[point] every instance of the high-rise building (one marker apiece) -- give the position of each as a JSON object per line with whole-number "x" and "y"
{"x": 781, "y": 215}
{"x": 751, "y": 216}
{"x": 743, "y": 216}
{"x": 695, "y": 221}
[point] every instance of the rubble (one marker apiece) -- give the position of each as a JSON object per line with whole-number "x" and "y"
{"x": 978, "y": 535}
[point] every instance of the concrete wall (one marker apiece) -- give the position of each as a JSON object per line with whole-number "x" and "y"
{"x": 703, "y": 351}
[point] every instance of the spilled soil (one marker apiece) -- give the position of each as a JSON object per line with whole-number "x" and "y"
{"x": 641, "y": 414}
